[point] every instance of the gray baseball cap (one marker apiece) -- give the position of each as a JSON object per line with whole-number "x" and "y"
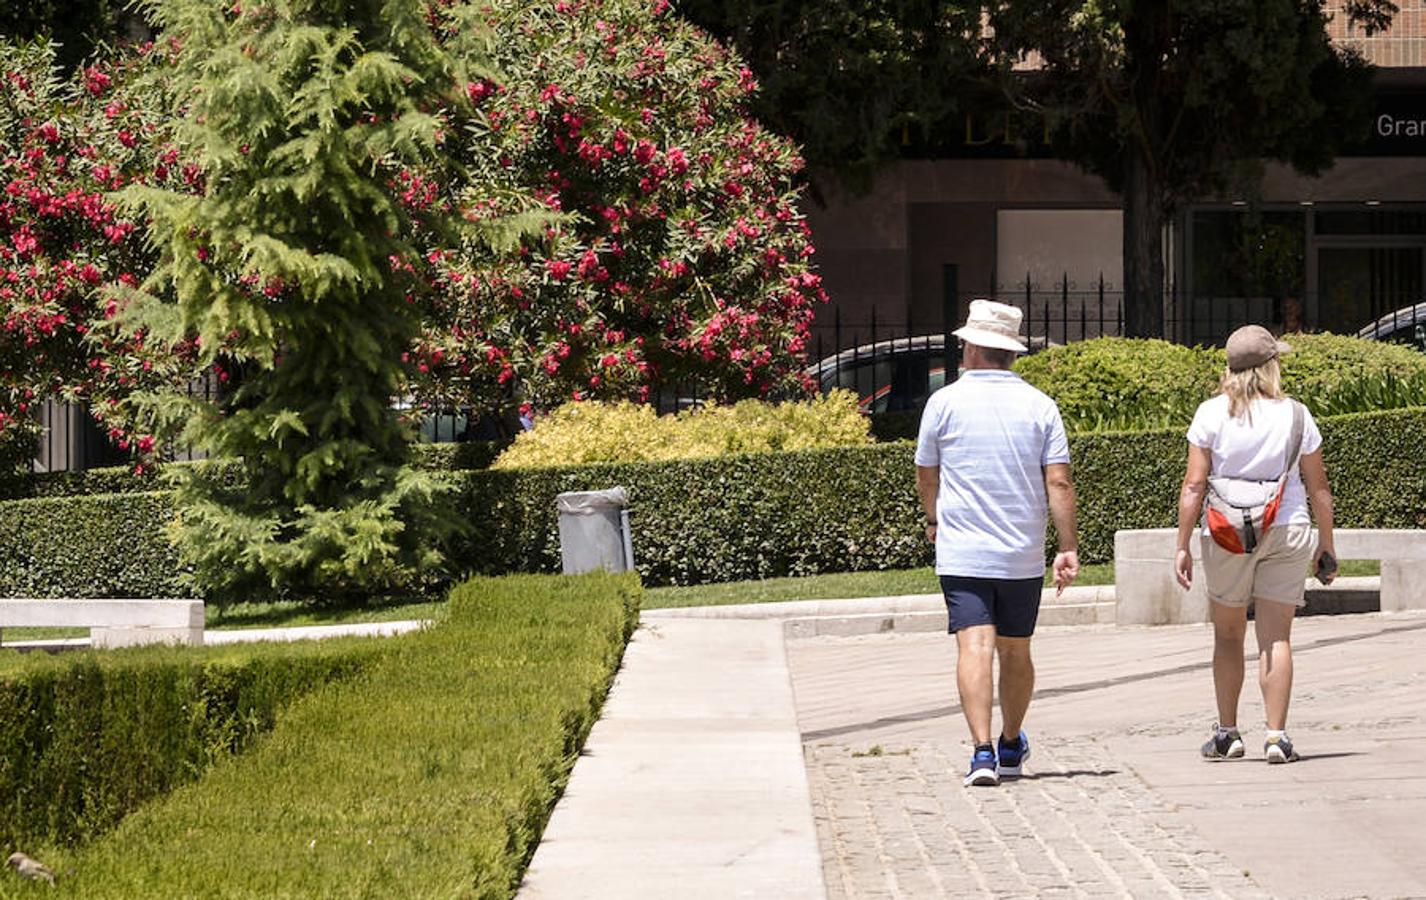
{"x": 1251, "y": 346}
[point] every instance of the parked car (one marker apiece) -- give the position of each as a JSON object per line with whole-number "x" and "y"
{"x": 1404, "y": 326}
{"x": 887, "y": 376}
{"x": 894, "y": 375}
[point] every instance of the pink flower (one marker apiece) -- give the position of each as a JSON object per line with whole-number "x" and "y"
{"x": 558, "y": 269}
{"x": 479, "y": 90}
{"x": 96, "y": 82}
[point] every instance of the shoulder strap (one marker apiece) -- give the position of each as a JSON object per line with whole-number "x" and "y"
{"x": 1294, "y": 442}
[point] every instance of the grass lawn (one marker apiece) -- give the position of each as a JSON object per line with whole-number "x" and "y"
{"x": 864, "y": 584}
{"x": 826, "y": 587}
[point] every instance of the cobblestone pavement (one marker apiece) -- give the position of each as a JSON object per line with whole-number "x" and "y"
{"x": 1115, "y": 804}
{"x": 896, "y": 822}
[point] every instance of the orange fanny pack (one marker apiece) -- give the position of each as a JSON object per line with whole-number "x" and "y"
{"x": 1239, "y": 511}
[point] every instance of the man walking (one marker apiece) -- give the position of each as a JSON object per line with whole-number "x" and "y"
{"x": 991, "y": 456}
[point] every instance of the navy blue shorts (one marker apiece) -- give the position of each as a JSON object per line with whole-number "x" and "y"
{"x": 1010, "y": 604}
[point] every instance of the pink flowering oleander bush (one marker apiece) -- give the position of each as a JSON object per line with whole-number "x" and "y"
{"x": 675, "y": 254}
{"x": 63, "y": 244}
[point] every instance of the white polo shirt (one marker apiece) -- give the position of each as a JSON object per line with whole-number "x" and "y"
{"x": 991, "y": 435}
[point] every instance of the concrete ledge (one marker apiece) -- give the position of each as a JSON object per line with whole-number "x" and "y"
{"x": 1148, "y": 593}
{"x": 1343, "y": 596}
{"x": 112, "y": 623}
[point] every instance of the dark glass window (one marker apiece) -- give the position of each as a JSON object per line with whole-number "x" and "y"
{"x": 1371, "y": 221}
{"x": 1244, "y": 254}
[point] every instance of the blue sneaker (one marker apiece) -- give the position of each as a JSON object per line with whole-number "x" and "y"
{"x": 1013, "y": 756}
{"x": 983, "y": 770}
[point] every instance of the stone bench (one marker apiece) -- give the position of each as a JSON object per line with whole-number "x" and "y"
{"x": 1146, "y": 592}
{"x": 112, "y": 623}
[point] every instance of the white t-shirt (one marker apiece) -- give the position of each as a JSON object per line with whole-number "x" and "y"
{"x": 1254, "y": 446}
{"x": 991, "y": 435}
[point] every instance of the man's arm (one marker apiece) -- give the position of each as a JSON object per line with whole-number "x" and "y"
{"x": 928, "y": 485}
{"x": 1059, "y": 487}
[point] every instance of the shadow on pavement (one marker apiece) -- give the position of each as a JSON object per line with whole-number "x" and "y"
{"x": 1101, "y": 684}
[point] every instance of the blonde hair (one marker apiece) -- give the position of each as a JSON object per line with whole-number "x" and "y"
{"x": 1262, "y": 382}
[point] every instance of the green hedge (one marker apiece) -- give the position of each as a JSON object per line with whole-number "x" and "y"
{"x": 122, "y": 480}
{"x": 432, "y": 774}
{"x": 105, "y": 545}
{"x": 1130, "y": 384}
{"x": 724, "y": 519}
{"x": 855, "y": 509}
{"x": 85, "y": 738}
{"x": 731, "y": 518}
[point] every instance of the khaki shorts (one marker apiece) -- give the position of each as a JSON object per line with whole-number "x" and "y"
{"x": 1276, "y": 571}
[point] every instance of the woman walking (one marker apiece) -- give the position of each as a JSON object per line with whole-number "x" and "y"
{"x": 1251, "y": 433}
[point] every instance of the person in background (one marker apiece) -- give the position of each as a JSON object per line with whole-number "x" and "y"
{"x": 991, "y": 457}
{"x": 1245, "y": 432}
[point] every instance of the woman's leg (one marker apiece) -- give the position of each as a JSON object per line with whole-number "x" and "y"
{"x": 1273, "y": 624}
{"x": 1230, "y": 626}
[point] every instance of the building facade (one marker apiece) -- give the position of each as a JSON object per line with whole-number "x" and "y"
{"x": 1333, "y": 253}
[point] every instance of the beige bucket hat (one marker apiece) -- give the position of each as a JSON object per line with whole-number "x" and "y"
{"x": 994, "y": 325}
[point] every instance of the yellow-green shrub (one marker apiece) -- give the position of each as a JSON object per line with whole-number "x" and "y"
{"x": 579, "y": 433}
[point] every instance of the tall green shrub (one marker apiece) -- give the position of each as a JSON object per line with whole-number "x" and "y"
{"x": 1126, "y": 384}
{"x": 291, "y": 271}
{"x": 1123, "y": 383}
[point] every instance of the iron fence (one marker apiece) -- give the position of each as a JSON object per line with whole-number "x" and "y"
{"x": 893, "y": 364}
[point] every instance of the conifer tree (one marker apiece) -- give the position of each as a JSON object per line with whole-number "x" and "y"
{"x": 291, "y": 272}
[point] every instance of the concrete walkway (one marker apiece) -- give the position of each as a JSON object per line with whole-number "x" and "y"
{"x": 692, "y": 783}
{"x": 214, "y": 637}
{"x": 702, "y": 780}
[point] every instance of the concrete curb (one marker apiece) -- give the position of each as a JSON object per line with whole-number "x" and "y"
{"x": 905, "y": 603}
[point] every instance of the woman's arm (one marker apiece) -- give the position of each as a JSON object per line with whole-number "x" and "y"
{"x": 1319, "y": 495}
{"x": 1190, "y": 507}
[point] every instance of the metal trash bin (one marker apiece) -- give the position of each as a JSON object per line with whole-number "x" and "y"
{"x": 594, "y": 531}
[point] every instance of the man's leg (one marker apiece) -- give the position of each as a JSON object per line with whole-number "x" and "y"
{"x": 1017, "y": 684}
{"x": 975, "y": 647}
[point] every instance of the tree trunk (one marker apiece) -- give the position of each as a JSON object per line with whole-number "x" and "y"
{"x": 1143, "y": 250}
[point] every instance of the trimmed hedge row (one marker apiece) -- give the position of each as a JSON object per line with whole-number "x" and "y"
{"x": 105, "y": 545}
{"x": 430, "y": 775}
{"x": 122, "y": 480}
{"x": 769, "y": 515}
{"x": 86, "y": 738}
{"x": 730, "y": 518}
